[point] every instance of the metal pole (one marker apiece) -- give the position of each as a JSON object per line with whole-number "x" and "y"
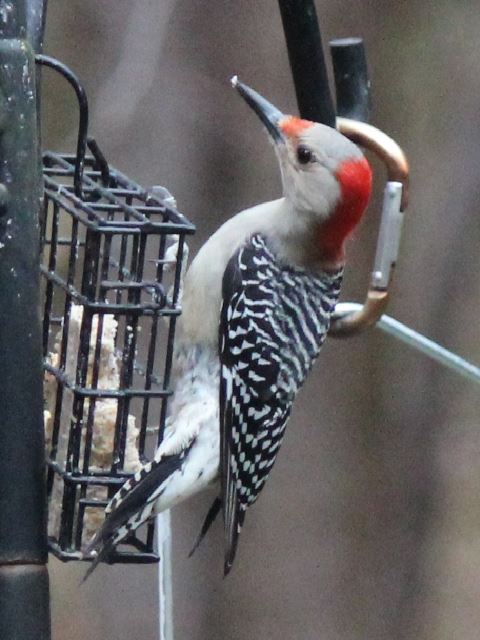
{"x": 165, "y": 596}
{"x": 307, "y": 60}
{"x": 351, "y": 78}
{"x": 24, "y": 597}
{"x": 36, "y": 13}
{"x": 418, "y": 342}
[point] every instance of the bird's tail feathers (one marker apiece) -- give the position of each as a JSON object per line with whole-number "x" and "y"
{"x": 207, "y": 523}
{"x": 133, "y": 505}
{"x": 103, "y": 554}
{"x": 232, "y": 535}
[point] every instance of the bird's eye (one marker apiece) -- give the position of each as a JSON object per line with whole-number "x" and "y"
{"x": 304, "y": 154}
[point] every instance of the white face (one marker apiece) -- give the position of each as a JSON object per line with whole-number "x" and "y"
{"x": 309, "y": 159}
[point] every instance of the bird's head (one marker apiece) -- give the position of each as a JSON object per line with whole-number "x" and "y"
{"x": 325, "y": 176}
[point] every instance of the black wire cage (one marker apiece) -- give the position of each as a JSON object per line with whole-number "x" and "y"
{"x": 112, "y": 255}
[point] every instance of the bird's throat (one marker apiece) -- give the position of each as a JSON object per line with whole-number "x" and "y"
{"x": 331, "y": 236}
{"x": 355, "y": 181}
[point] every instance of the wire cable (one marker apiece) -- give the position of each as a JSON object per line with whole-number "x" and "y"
{"x": 418, "y": 342}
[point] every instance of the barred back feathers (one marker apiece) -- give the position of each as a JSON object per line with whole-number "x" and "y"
{"x": 274, "y": 320}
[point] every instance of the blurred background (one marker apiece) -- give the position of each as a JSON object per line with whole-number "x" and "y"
{"x": 370, "y": 524}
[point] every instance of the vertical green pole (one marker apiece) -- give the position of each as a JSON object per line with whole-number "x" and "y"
{"x": 24, "y": 597}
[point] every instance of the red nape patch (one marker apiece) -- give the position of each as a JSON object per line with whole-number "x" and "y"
{"x": 293, "y": 126}
{"x": 355, "y": 179}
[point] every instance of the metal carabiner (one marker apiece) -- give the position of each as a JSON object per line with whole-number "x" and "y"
{"x": 394, "y": 204}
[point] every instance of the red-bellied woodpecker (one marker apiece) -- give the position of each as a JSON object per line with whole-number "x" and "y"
{"x": 256, "y": 309}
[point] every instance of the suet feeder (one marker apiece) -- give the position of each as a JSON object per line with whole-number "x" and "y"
{"x": 109, "y": 312}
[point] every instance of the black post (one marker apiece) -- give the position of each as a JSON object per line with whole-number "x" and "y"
{"x": 351, "y": 78}
{"x": 307, "y": 60}
{"x": 24, "y": 599}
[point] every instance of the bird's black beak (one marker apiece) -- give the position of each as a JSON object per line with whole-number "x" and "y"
{"x": 268, "y": 114}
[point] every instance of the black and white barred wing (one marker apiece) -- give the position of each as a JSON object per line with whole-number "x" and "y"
{"x": 274, "y": 320}
{"x": 132, "y": 505}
